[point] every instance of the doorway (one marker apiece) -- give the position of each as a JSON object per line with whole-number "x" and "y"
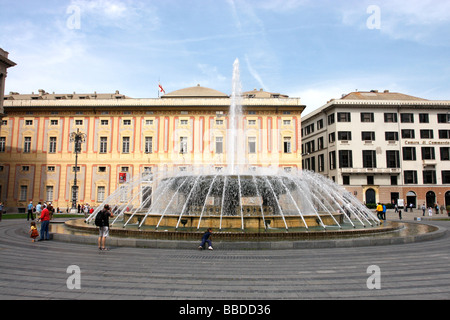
{"x": 370, "y": 196}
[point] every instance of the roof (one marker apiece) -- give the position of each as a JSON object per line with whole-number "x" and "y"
{"x": 196, "y": 92}
{"x": 375, "y": 95}
{"x": 263, "y": 94}
{"x": 4, "y": 59}
{"x": 42, "y": 95}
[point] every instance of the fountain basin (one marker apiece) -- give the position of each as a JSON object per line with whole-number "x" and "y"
{"x": 247, "y": 222}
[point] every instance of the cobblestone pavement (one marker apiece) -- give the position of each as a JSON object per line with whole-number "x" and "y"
{"x": 40, "y": 271}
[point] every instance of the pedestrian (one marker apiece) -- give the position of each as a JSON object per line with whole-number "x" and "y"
{"x": 423, "y": 210}
{"x": 437, "y": 208}
{"x": 103, "y": 226}
{"x": 411, "y": 206}
{"x": 30, "y": 208}
{"x": 430, "y": 211}
{"x": 34, "y": 233}
{"x": 396, "y": 208}
{"x": 384, "y": 212}
{"x": 38, "y": 210}
{"x": 45, "y": 222}
{"x": 442, "y": 209}
{"x": 400, "y": 214}
{"x": 379, "y": 211}
{"x": 206, "y": 238}
{"x": 1, "y": 210}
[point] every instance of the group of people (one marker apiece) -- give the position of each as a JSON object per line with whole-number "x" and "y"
{"x": 44, "y": 213}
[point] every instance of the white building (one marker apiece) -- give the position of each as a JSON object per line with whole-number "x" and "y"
{"x": 382, "y": 146}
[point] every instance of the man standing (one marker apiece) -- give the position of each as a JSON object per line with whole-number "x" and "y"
{"x": 45, "y": 221}
{"x": 30, "y": 208}
{"x": 104, "y": 227}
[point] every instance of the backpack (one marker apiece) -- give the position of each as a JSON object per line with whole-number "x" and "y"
{"x": 100, "y": 219}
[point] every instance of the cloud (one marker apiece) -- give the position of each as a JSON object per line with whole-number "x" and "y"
{"x": 421, "y": 21}
{"x": 122, "y": 14}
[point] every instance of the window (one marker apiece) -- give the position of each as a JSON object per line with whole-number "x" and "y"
{"x": 445, "y": 177}
{"x": 251, "y": 122}
{"x": 332, "y": 157}
{"x": 391, "y": 136}
{"x": 2, "y": 144}
{"x": 444, "y": 134}
{"x": 104, "y": 122}
{"x": 344, "y": 135}
{"x": 184, "y": 122}
{"x": 148, "y": 122}
{"x": 345, "y": 159}
{"x": 367, "y": 117}
{"x": 407, "y": 117}
{"x": 426, "y": 134}
{"x": 367, "y": 135}
{"x": 126, "y": 144}
{"x": 4, "y": 122}
{"x": 103, "y": 144}
{"x": 27, "y": 145}
{"x": 390, "y": 117}
{"x": 25, "y": 168}
{"x": 319, "y": 124}
{"x": 52, "y": 145}
{"x": 23, "y": 193}
{"x": 394, "y": 181}
{"x": 148, "y": 144}
{"x": 320, "y": 143}
{"x": 321, "y": 162}
{"x": 251, "y": 144}
{"x": 219, "y": 122}
{"x": 219, "y": 144}
{"x": 346, "y": 180}
{"x": 28, "y": 122}
{"x": 127, "y": 122}
{"x": 331, "y": 137}
{"x": 410, "y": 177}
{"x": 51, "y": 168}
{"x": 370, "y": 180}
{"x": 409, "y": 153}
{"x": 429, "y": 176}
{"x": 392, "y": 159}
{"x": 53, "y": 122}
{"x": 101, "y": 193}
{"x": 49, "y": 193}
{"x": 102, "y": 169}
{"x": 369, "y": 159}
{"x": 443, "y": 117}
{"x": 343, "y": 117}
{"x": 287, "y": 145}
{"x": 287, "y": 122}
{"x": 424, "y": 118}
{"x": 428, "y": 153}
{"x": 78, "y": 122}
{"x": 331, "y": 119}
{"x": 445, "y": 153}
{"x": 183, "y": 144}
{"x": 408, "y": 134}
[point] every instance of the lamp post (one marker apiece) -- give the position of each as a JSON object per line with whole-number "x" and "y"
{"x": 78, "y": 138}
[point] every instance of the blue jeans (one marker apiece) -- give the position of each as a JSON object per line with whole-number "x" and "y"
{"x": 206, "y": 240}
{"x": 44, "y": 230}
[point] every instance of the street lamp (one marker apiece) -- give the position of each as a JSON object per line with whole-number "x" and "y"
{"x": 77, "y": 137}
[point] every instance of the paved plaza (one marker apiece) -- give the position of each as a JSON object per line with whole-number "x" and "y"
{"x": 419, "y": 270}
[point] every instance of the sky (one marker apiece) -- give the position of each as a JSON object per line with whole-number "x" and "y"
{"x": 314, "y": 50}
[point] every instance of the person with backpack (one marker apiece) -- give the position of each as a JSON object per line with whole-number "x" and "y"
{"x": 102, "y": 222}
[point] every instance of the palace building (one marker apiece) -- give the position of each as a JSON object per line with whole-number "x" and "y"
{"x": 126, "y": 137}
{"x": 382, "y": 147}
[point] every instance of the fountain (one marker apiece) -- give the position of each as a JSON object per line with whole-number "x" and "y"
{"x": 239, "y": 198}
